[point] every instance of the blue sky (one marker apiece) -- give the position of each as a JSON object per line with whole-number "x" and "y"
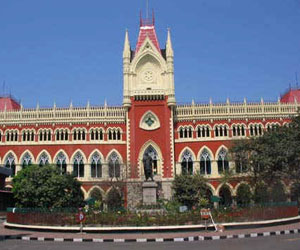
{"x": 63, "y": 50}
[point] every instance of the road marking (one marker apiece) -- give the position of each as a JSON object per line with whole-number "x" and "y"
{"x": 295, "y": 239}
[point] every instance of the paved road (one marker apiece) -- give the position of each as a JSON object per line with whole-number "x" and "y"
{"x": 284, "y": 242}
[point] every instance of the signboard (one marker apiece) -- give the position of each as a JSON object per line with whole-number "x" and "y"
{"x": 81, "y": 217}
{"x": 205, "y": 213}
{"x": 215, "y": 198}
{"x": 183, "y": 209}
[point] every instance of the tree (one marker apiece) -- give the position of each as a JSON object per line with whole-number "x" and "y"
{"x": 261, "y": 193}
{"x": 274, "y": 156}
{"x": 45, "y": 187}
{"x": 243, "y": 195}
{"x": 114, "y": 199}
{"x": 189, "y": 189}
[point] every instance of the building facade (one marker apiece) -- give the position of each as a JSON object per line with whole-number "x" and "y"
{"x": 104, "y": 146}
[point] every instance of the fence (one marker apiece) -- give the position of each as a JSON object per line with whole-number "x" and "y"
{"x": 64, "y": 217}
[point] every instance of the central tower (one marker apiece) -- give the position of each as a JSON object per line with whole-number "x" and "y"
{"x": 149, "y": 97}
{"x": 148, "y": 70}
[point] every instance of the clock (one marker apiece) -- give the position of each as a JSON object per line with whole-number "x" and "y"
{"x": 148, "y": 76}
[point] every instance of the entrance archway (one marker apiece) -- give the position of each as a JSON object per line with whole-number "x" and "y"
{"x": 225, "y": 195}
{"x": 150, "y": 151}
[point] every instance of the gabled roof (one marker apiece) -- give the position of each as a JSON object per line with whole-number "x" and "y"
{"x": 291, "y": 96}
{"x": 147, "y": 29}
{"x": 9, "y": 104}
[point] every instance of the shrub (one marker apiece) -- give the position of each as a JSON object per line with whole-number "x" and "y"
{"x": 44, "y": 187}
{"x": 188, "y": 189}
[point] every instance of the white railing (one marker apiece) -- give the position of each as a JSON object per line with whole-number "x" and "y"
{"x": 71, "y": 114}
{"x": 235, "y": 110}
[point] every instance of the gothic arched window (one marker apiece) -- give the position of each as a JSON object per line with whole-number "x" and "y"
{"x": 223, "y": 164}
{"x": 78, "y": 165}
{"x": 10, "y": 162}
{"x": 187, "y": 163}
{"x": 205, "y": 162}
{"x": 43, "y": 159}
{"x": 96, "y": 167}
{"x": 61, "y": 163}
{"x": 153, "y": 154}
{"x": 114, "y": 166}
{"x": 26, "y": 160}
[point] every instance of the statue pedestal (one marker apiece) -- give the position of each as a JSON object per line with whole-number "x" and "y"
{"x": 149, "y": 193}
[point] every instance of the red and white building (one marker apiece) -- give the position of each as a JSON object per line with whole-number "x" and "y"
{"x": 106, "y": 145}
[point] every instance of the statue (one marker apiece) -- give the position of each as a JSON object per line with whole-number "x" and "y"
{"x": 147, "y": 161}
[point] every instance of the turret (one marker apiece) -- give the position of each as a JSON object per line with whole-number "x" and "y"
{"x": 126, "y": 50}
{"x": 169, "y": 48}
{"x": 126, "y": 69}
{"x": 170, "y": 66}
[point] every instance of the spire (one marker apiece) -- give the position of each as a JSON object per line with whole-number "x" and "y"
{"x": 126, "y": 50}
{"x": 169, "y": 47}
{"x": 147, "y": 29}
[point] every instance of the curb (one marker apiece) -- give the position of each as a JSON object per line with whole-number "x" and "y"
{"x": 145, "y": 240}
{"x": 129, "y": 229}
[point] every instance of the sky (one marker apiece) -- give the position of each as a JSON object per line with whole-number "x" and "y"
{"x": 71, "y": 50}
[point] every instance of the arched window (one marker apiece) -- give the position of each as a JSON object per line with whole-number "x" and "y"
{"x": 180, "y": 133}
{"x": 75, "y": 135}
{"x": 114, "y": 166}
{"x": 61, "y": 163}
{"x": 26, "y": 160}
{"x": 185, "y": 133}
{"x": 187, "y": 163}
{"x": 241, "y": 165}
{"x": 233, "y": 131}
{"x": 205, "y": 162}
{"x": 10, "y": 162}
{"x": 153, "y": 154}
{"x": 223, "y": 164}
{"x": 96, "y": 167}
{"x": 78, "y": 165}
{"x": 43, "y": 160}
{"x": 216, "y": 131}
{"x": 225, "y": 195}
{"x": 190, "y": 133}
{"x": 66, "y": 135}
{"x": 225, "y": 131}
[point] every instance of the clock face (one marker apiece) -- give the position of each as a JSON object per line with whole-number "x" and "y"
{"x": 148, "y": 76}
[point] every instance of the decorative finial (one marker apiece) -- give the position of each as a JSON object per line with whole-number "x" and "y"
{"x": 105, "y": 103}
{"x": 71, "y": 104}
{"x": 88, "y": 104}
{"x": 147, "y": 9}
